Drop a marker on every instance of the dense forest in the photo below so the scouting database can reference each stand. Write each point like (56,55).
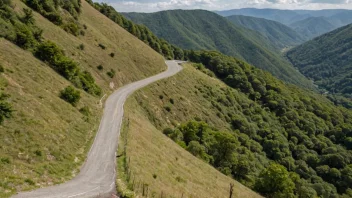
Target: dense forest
(279,34)
(327,60)
(299,137)
(204,30)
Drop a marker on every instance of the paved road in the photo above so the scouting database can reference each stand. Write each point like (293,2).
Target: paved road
(97,176)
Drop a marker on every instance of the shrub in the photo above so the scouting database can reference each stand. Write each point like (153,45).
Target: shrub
(111,73)
(87,83)
(71,28)
(2,69)
(48,52)
(5,107)
(24,37)
(38,153)
(70,95)
(112,55)
(161,97)
(102,46)
(83,33)
(85,26)
(29,181)
(100,67)
(85,111)
(54,17)
(172,101)
(155,176)
(81,46)
(167,108)
(5,160)
(28,16)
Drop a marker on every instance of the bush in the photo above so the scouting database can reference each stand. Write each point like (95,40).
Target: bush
(172,101)
(161,97)
(111,73)
(100,67)
(102,46)
(5,160)
(71,28)
(5,107)
(70,95)
(167,108)
(85,111)
(54,17)
(29,181)
(81,46)
(112,55)
(2,69)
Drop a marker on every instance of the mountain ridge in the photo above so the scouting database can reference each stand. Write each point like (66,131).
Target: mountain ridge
(205,30)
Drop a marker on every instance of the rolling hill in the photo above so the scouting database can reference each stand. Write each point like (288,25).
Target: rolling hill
(199,29)
(280,35)
(327,60)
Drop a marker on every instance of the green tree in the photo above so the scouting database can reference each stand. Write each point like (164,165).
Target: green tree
(70,95)
(5,107)
(275,181)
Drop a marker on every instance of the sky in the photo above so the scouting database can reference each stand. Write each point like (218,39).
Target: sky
(157,5)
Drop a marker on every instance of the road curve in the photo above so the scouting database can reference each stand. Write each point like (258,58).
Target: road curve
(97,176)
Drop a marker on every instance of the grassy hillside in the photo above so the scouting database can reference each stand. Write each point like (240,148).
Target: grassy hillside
(284,124)
(156,161)
(280,35)
(327,60)
(46,140)
(313,26)
(198,29)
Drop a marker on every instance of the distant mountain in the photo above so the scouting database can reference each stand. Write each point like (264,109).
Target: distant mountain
(310,23)
(282,16)
(327,60)
(204,30)
(280,35)
(313,26)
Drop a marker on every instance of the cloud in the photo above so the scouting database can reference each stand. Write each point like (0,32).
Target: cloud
(157,5)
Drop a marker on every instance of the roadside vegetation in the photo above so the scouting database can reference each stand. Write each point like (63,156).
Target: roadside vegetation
(44,140)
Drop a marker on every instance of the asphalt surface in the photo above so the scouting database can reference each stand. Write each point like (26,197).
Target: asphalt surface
(97,176)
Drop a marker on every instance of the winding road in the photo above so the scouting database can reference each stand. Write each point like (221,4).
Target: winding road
(97,176)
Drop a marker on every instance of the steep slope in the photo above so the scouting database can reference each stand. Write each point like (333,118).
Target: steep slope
(198,29)
(313,26)
(327,60)
(280,35)
(46,139)
(256,119)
